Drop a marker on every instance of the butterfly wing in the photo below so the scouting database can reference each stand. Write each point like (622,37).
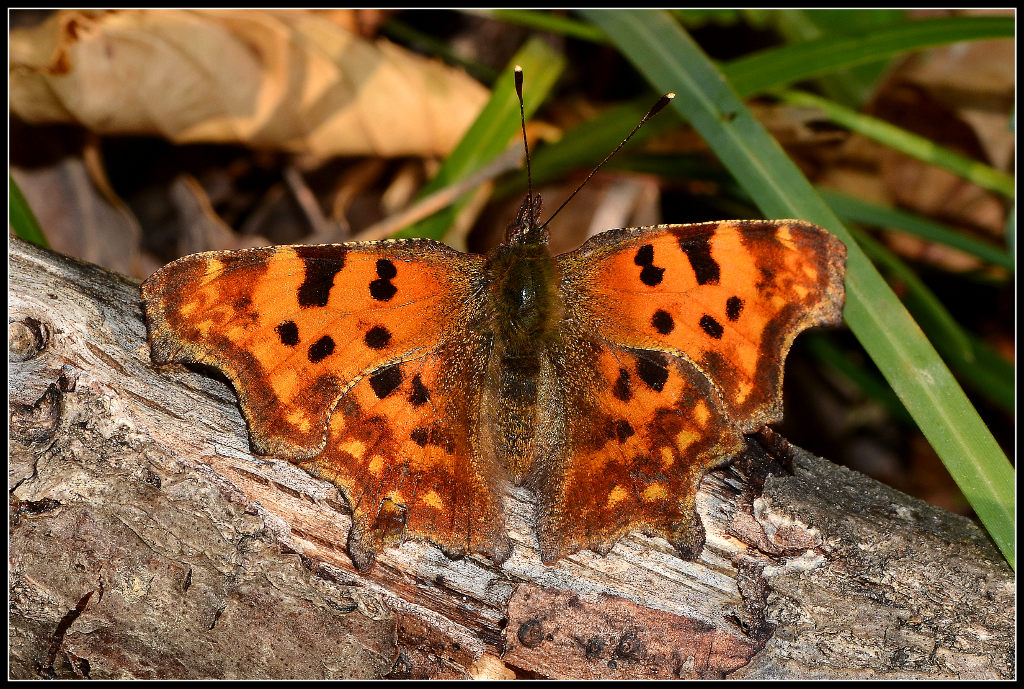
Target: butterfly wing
(360,362)
(674,343)
(728,296)
(636,432)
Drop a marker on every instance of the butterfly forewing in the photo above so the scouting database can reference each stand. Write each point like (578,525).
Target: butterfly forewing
(728,296)
(293,327)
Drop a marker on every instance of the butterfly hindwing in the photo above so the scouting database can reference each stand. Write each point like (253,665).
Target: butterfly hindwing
(401,445)
(638,431)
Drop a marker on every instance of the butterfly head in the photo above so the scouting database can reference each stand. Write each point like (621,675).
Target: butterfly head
(526,228)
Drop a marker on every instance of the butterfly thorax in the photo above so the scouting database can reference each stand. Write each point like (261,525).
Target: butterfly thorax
(525,309)
(523,296)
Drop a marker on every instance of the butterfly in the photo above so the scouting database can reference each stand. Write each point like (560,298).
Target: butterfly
(421,381)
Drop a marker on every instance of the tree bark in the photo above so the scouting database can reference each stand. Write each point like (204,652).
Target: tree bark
(147,541)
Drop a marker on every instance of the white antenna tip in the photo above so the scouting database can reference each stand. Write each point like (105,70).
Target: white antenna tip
(670,96)
(518,68)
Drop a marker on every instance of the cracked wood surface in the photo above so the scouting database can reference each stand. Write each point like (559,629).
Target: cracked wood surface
(147,541)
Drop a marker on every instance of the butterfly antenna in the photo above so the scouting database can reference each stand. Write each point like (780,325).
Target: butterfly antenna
(662,102)
(526,144)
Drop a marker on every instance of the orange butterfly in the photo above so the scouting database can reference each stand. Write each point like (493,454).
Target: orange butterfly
(421,380)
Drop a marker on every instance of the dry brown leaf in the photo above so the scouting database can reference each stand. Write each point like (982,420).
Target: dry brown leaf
(960,97)
(365,22)
(202,228)
(978,82)
(79,220)
(287,80)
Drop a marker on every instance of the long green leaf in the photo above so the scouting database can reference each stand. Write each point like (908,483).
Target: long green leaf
(546,21)
(851,85)
(907,142)
(775,67)
(857,210)
(666,55)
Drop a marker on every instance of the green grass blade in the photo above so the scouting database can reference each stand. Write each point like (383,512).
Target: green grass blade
(23,220)
(547,21)
(977,365)
(666,55)
(775,67)
(906,142)
(850,85)
(494,129)
(856,210)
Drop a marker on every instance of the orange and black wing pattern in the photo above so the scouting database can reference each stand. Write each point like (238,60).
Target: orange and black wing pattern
(360,362)
(673,346)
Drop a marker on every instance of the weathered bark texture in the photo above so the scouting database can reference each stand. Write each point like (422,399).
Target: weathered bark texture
(146,541)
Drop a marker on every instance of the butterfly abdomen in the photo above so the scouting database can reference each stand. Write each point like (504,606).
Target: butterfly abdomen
(525,307)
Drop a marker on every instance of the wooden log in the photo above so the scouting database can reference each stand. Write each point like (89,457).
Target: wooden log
(147,541)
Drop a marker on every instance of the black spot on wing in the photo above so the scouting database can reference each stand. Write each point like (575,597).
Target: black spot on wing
(623,430)
(712,327)
(386,269)
(420,436)
(377,337)
(321,349)
(652,370)
(386,380)
(663,322)
(733,308)
(321,264)
(382,288)
(289,333)
(432,435)
(698,250)
(622,388)
(644,255)
(650,274)
(419,394)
